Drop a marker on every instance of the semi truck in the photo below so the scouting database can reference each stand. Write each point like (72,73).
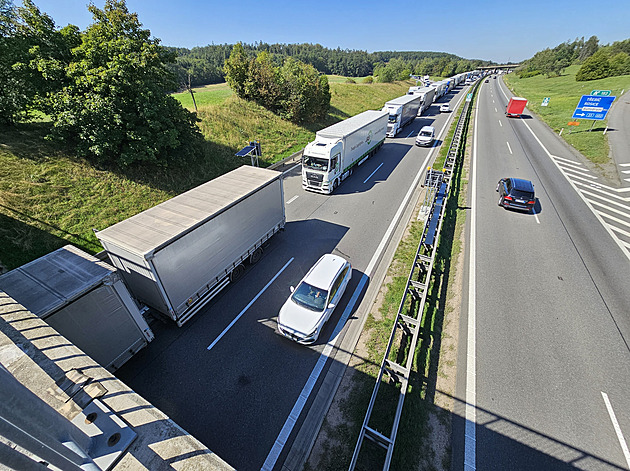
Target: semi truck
(402,110)
(337,149)
(85,300)
(427,96)
(440,89)
(176,256)
(515,106)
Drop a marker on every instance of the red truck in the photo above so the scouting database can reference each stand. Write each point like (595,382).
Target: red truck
(515,106)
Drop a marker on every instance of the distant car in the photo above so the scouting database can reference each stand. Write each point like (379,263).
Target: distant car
(444,108)
(516,193)
(310,305)
(487,80)
(425,136)
(494,77)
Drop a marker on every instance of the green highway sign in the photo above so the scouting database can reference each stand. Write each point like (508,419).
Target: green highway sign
(601,92)
(469,97)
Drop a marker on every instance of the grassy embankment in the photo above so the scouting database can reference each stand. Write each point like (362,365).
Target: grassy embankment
(432,379)
(49,198)
(564,93)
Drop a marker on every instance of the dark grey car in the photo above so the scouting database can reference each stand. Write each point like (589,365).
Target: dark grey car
(516,193)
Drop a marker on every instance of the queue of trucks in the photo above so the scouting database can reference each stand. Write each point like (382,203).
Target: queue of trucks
(175,257)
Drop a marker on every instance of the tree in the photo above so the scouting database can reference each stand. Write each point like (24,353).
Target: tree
(236,70)
(589,48)
(595,67)
(116,106)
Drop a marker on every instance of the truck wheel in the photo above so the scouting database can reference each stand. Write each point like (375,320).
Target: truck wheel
(500,203)
(237,273)
(256,255)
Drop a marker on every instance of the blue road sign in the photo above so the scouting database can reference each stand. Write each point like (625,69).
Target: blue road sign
(593,107)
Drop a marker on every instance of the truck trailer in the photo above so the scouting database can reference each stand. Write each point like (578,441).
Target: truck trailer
(337,149)
(515,106)
(402,110)
(176,256)
(83,299)
(427,95)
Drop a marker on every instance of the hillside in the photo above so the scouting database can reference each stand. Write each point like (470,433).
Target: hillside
(49,198)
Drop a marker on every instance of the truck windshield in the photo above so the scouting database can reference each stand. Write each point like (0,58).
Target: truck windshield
(315,163)
(392,118)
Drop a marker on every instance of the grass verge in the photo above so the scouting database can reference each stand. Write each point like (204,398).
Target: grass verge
(564,93)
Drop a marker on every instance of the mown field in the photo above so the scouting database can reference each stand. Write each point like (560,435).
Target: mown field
(49,198)
(564,93)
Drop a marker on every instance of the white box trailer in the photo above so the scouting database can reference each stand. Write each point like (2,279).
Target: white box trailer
(83,299)
(426,94)
(337,149)
(176,256)
(402,110)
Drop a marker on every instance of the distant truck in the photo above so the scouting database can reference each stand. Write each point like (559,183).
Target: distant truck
(337,149)
(83,299)
(427,94)
(176,256)
(402,110)
(515,106)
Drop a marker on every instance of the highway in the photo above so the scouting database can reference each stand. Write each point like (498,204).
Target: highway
(544,364)
(227,377)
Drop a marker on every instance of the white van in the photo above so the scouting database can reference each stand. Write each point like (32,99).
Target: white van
(425,136)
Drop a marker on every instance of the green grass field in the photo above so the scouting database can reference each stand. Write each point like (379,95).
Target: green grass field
(209,95)
(49,198)
(564,93)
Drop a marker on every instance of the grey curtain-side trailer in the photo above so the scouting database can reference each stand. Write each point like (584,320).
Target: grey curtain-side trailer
(83,299)
(176,256)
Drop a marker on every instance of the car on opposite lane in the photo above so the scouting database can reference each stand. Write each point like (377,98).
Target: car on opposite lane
(516,193)
(310,305)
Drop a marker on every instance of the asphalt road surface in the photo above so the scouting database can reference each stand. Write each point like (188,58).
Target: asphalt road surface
(227,377)
(548,319)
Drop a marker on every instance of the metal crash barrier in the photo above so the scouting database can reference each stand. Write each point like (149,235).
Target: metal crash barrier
(406,329)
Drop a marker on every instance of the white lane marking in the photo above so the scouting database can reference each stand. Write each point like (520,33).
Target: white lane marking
(278,445)
(410,134)
(470,432)
(287,428)
(249,305)
(605,198)
(566,160)
(619,230)
(624,165)
(365,181)
(606,227)
(509,148)
(535,215)
(625,171)
(601,190)
(613,419)
(625,213)
(613,218)
(579,171)
(495,110)
(626,179)
(574,167)
(500,123)
(626,244)
(292,199)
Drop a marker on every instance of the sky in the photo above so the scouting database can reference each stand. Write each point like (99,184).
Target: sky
(500,31)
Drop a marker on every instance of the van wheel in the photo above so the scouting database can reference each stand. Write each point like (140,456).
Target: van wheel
(237,273)
(256,255)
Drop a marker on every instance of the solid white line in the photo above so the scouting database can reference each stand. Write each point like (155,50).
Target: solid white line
(566,160)
(249,305)
(625,213)
(601,190)
(606,227)
(500,123)
(365,181)
(620,231)
(292,199)
(509,148)
(287,428)
(605,198)
(624,165)
(470,433)
(626,179)
(613,419)
(625,171)
(580,172)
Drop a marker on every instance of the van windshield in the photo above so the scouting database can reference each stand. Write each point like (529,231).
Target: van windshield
(392,118)
(315,163)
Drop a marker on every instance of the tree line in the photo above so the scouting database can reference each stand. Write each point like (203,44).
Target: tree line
(204,65)
(596,61)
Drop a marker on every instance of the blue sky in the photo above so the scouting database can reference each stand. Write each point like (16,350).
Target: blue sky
(506,30)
